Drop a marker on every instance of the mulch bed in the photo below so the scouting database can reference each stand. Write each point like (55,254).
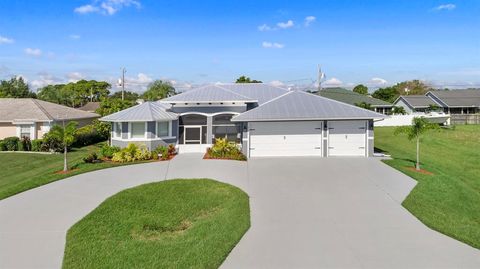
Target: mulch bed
(421,171)
(208,157)
(66,172)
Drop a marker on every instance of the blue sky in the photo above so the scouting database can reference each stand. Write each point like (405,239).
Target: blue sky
(193,42)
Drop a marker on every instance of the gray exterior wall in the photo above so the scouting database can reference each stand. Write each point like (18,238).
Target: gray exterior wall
(407,108)
(370,139)
(245,139)
(151,129)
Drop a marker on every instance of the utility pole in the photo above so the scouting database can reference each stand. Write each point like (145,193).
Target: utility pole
(321,76)
(123,82)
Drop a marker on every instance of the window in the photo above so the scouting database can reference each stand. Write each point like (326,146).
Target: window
(118,129)
(223,127)
(163,129)
(25,130)
(138,130)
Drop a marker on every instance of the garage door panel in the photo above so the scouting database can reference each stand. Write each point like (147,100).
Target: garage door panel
(285,139)
(347,138)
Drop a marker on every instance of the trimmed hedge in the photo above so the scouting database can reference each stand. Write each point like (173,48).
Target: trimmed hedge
(11,143)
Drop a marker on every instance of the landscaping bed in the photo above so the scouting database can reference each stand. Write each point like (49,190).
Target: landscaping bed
(447,196)
(171,224)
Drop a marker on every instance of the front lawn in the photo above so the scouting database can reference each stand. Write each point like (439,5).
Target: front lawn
(172,224)
(449,200)
(24,171)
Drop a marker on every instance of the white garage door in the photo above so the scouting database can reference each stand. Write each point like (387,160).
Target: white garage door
(301,138)
(347,138)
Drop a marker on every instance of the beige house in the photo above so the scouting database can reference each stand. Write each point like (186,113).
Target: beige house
(33,118)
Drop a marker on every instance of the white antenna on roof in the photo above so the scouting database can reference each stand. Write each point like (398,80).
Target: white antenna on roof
(321,77)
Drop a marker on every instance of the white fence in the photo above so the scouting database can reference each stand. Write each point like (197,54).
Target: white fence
(396,120)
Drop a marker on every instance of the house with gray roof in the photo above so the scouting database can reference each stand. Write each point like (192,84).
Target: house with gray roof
(28,117)
(264,120)
(415,103)
(353,98)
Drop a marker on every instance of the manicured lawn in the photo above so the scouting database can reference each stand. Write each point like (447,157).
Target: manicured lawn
(449,200)
(24,171)
(172,224)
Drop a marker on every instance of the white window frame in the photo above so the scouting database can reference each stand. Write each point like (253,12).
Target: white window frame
(115,124)
(157,134)
(137,138)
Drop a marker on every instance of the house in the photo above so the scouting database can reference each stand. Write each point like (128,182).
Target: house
(90,107)
(353,98)
(263,119)
(27,117)
(457,101)
(415,103)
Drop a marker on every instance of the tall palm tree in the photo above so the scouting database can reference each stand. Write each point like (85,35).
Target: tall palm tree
(65,134)
(420,125)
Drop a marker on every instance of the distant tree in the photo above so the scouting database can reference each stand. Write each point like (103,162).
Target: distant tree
(399,110)
(131,96)
(415,131)
(111,105)
(16,87)
(245,79)
(158,90)
(388,94)
(51,93)
(75,94)
(364,105)
(65,134)
(361,89)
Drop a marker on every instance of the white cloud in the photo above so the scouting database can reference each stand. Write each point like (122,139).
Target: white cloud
(446,7)
(74,76)
(285,25)
(33,52)
(6,40)
(264,27)
(276,83)
(332,82)
(377,82)
(106,7)
(309,20)
(273,45)
(137,83)
(74,36)
(45,79)
(85,9)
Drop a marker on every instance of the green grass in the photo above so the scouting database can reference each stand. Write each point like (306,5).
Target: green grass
(24,171)
(172,224)
(449,200)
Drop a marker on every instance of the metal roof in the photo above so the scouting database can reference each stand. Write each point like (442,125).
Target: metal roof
(417,101)
(148,111)
(458,98)
(259,91)
(208,94)
(299,105)
(350,97)
(18,109)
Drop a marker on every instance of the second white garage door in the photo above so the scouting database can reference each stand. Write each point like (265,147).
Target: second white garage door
(347,138)
(300,138)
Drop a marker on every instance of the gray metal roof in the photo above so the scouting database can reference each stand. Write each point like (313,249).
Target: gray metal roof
(148,111)
(18,109)
(417,101)
(208,94)
(458,98)
(300,105)
(259,91)
(350,97)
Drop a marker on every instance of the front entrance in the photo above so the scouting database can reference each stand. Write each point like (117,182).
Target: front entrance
(192,135)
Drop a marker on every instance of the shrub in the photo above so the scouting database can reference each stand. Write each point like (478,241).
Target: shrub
(2,146)
(11,143)
(24,144)
(132,153)
(91,158)
(165,152)
(51,143)
(88,135)
(224,149)
(107,151)
(37,144)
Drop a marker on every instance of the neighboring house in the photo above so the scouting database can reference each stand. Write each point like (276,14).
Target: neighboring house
(27,117)
(264,120)
(451,102)
(353,98)
(415,103)
(90,107)
(457,101)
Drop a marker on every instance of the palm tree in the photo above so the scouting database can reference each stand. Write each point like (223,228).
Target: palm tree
(65,134)
(419,126)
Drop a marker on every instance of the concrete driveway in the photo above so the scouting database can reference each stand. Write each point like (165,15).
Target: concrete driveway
(306,213)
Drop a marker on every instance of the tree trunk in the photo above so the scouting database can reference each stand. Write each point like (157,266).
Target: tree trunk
(417,166)
(65,168)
